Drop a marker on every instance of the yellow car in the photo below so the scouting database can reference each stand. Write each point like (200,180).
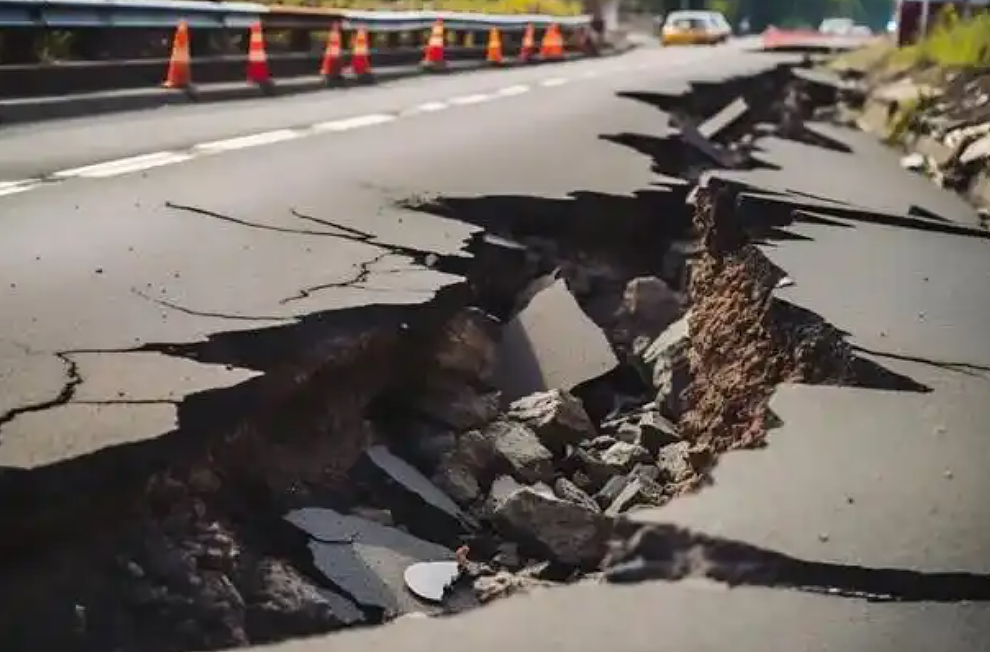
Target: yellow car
(694,28)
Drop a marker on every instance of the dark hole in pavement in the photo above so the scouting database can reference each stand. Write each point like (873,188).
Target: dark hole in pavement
(669,552)
(579,372)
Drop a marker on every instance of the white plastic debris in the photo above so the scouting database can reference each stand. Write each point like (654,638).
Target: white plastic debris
(429,580)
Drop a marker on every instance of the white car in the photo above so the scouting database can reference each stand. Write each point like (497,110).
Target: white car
(837,26)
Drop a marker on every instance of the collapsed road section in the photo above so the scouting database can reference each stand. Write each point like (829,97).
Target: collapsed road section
(590,360)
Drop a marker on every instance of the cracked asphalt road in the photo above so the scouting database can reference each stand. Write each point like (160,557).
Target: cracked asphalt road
(100,266)
(259,230)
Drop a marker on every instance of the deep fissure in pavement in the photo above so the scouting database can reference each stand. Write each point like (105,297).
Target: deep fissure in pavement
(599,355)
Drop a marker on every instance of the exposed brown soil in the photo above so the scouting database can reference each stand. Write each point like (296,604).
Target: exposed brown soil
(744,342)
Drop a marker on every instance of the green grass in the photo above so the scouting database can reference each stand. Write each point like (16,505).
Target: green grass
(952,43)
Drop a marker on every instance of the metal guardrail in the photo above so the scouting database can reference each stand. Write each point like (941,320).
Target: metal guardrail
(122,14)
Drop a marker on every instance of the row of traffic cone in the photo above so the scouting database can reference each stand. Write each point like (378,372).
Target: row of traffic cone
(332,67)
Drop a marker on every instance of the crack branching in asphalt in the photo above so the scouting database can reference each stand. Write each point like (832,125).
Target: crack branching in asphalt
(670,552)
(206,313)
(72,382)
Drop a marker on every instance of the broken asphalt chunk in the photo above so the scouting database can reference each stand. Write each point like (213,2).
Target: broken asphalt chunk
(416,501)
(366,560)
(551,344)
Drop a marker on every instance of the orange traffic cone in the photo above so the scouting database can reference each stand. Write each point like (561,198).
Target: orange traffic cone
(257,64)
(179,73)
(494,51)
(433,54)
(333,61)
(551,46)
(360,57)
(528,44)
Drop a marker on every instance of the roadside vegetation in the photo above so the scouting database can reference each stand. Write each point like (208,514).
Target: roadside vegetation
(952,43)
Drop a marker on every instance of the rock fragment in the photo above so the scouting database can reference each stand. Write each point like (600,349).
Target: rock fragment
(666,358)
(567,490)
(563,531)
(623,456)
(468,345)
(557,417)
(519,446)
(674,461)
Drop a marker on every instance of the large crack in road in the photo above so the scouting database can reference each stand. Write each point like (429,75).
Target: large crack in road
(597,355)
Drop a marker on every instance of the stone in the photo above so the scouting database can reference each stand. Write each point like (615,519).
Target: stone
(608,493)
(667,358)
(565,532)
(521,449)
(623,456)
(460,408)
(648,306)
(567,490)
(457,481)
(476,451)
(468,346)
(557,417)
(638,491)
(647,428)
(600,443)
(674,461)
(591,466)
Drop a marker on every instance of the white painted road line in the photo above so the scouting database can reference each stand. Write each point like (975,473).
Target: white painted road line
(355,122)
(470,99)
(426,107)
(510,91)
(124,165)
(14,187)
(553,81)
(243,142)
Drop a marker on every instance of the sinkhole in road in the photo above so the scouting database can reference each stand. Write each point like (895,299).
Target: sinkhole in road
(599,355)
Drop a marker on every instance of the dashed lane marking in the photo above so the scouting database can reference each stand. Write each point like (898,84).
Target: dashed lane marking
(512,91)
(14,187)
(355,123)
(243,142)
(133,164)
(125,165)
(426,107)
(477,98)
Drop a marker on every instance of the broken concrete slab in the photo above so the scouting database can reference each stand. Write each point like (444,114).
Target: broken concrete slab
(365,560)
(551,344)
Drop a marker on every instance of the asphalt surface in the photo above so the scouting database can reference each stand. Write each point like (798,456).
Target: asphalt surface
(97,264)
